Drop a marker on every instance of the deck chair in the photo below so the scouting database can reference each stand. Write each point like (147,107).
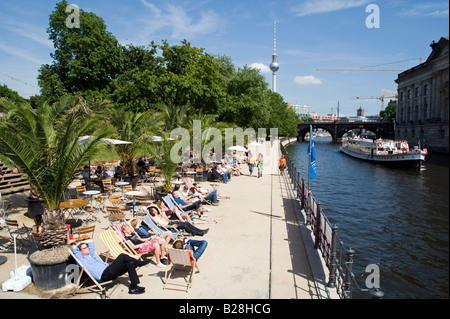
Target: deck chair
(180,257)
(114,247)
(80,282)
(147,219)
(188,181)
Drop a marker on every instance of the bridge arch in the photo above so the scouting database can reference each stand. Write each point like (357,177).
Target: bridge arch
(338,128)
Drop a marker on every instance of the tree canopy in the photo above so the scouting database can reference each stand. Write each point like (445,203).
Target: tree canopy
(173,79)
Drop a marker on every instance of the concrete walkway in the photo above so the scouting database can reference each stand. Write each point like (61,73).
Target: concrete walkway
(256,249)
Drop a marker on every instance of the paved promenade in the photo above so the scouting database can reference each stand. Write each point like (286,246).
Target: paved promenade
(257,248)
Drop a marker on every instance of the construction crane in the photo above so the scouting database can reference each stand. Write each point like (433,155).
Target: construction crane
(396,94)
(370,68)
(379,98)
(363,69)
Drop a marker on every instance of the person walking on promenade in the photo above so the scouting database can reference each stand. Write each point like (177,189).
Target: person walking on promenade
(251,163)
(260,165)
(282,162)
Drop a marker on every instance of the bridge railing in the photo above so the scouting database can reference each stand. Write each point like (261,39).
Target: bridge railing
(338,259)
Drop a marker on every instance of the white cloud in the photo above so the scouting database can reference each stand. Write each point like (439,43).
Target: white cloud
(432,9)
(321,6)
(20,54)
(260,66)
(307,80)
(180,22)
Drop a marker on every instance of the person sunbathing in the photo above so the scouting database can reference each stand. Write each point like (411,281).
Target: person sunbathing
(197,246)
(154,244)
(163,221)
(101,271)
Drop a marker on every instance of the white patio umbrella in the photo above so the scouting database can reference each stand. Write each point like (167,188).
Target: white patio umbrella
(106,141)
(238,148)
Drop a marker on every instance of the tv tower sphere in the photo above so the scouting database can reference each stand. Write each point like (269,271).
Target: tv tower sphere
(274,66)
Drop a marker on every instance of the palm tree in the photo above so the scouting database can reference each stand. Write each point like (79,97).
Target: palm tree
(42,143)
(135,127)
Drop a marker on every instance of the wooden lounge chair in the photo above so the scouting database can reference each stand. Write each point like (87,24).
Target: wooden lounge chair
(114,247)
(80,283)
(184,258)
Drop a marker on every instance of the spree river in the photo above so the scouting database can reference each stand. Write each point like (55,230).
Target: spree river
(397,219)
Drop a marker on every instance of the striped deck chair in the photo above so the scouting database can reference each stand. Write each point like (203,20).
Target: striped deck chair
(188,181)
(80,282)
(147,219)
(170,202)
(114,247)
(180,257)
(118,230)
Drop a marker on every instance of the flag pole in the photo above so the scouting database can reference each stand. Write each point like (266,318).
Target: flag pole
(308,211)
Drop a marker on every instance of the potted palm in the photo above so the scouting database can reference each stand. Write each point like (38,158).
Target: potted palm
(42,143)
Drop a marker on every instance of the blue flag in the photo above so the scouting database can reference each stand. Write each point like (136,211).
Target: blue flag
(312,172)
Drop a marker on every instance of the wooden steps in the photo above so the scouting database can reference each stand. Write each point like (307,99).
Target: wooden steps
(12,183)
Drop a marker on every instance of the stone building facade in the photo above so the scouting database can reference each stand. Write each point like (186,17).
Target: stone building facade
(423,101)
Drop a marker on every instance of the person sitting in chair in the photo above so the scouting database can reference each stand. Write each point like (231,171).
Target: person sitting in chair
(197,246)
(102,271)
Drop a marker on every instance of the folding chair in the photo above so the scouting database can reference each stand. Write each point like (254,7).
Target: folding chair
(184,258)
(22,233)
(199,174)
(108,186)
(80,195)
(83,233)
(113,246)
(147,219)
(115,213)
(79,283)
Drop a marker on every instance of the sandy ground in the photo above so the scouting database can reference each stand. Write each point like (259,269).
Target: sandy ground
(256,249)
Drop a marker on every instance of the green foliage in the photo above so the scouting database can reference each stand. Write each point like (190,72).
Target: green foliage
(388,114)
(176,81)
(42,143)
(85,58)
(11,95)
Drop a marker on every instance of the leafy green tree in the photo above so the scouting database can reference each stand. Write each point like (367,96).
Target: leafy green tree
(190,77)
(388,114)
(11,95)
(85,59)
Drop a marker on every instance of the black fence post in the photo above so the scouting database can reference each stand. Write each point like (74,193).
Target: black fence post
(333,263)
(348,274)
(317,227)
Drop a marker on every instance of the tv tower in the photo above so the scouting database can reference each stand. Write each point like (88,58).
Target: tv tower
(274,66)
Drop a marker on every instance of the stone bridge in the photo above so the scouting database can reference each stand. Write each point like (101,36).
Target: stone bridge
(338,128)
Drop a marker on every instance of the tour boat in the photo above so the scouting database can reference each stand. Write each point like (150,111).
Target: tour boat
(385,152)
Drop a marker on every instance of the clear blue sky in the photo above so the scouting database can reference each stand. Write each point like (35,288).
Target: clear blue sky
(311,34)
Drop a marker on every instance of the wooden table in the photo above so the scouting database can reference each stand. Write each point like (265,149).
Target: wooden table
(74,205)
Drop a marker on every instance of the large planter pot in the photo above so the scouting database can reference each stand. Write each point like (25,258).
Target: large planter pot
(49,276)
(132,180)
(35,207)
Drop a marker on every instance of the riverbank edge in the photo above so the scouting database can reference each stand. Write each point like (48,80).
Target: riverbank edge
(316,261)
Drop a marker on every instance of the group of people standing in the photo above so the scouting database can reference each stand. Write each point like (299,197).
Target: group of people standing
(252,161)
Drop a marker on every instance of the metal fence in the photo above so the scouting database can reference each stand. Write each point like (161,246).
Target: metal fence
(338,258)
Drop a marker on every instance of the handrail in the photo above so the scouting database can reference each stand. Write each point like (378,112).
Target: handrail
(338,259)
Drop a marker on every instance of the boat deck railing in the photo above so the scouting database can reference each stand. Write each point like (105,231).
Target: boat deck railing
(338,258)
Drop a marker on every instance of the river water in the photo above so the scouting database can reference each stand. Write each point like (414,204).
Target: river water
(397,219)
